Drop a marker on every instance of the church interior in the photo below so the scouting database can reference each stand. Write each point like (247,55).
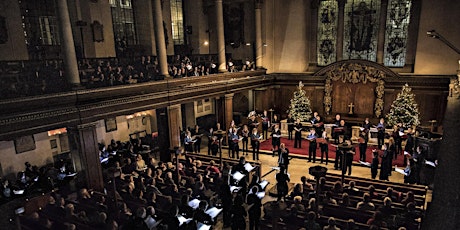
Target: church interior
(124,114)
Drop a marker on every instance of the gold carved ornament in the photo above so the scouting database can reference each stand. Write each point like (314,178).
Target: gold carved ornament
(355,73)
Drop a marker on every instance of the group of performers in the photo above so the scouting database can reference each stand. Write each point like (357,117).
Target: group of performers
(317,137)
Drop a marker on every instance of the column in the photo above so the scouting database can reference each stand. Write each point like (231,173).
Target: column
(220,36)
(340,24)
(175,125)
(228,109)
(163,134)
(382,29)
(259,44)
(67,44)
(444,208)
(84,143)
(160,39)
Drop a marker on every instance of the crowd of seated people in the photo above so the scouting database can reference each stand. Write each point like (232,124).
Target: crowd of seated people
(150,194)
(348,207)
(34,180)
(36,78)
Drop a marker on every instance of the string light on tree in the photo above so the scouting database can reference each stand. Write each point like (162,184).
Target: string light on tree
(300,107)
(404,109)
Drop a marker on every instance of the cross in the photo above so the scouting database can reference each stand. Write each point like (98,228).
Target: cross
(351,106)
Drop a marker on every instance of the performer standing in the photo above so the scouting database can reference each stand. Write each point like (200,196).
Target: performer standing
(384,170)
(375,163)
(319,125)
(210,136)
(255,143)
(276,135)
(348,154)
(282,180)
(312,148)
(336,131)
(410,143)
(290,123)
(324,146)
(197,136)
(252,121)
(265,124)
(381,133)
(234,143)
(245,133)
(188,141)
(298,134)
(283,156)
(364,139)
(398,133)
(275,121)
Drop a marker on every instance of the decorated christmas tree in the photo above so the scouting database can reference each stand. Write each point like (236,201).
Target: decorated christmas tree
(404,109)
(300,107)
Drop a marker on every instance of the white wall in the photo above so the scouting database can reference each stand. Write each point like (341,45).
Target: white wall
(40,156)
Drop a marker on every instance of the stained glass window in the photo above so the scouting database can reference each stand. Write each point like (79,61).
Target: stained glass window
(361,29)
(327,32)
(398,18)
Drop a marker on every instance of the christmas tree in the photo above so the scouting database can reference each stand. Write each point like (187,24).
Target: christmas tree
(404,109)
(300,107)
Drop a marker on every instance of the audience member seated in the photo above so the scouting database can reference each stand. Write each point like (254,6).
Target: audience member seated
(351,225)
(351,189)
(312,205)
(409,198)
(377,220)
(345,201)
(298,204)
(337,188)
(331,224)
(386,209)
(328,199)
(307,187)
(310,222)
(366,204)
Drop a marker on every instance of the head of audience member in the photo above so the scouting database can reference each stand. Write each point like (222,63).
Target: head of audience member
(387,202)
(337,187)
(331,222)
(366,198)
(342,122)
(312,203)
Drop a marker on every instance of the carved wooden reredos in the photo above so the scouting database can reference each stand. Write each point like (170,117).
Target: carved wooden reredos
(355,71)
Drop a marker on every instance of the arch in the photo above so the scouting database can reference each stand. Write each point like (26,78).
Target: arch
(356,71)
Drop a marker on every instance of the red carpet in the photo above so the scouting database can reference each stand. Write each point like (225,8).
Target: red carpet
(267,146)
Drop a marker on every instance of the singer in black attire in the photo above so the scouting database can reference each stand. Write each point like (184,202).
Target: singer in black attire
(298,134)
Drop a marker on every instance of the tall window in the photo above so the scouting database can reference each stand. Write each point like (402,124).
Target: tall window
(396,33)
(327,32)
(361,29)
(39,23)
(177,21)
(124,29)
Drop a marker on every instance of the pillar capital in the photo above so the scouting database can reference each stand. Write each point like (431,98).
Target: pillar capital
(229,95)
